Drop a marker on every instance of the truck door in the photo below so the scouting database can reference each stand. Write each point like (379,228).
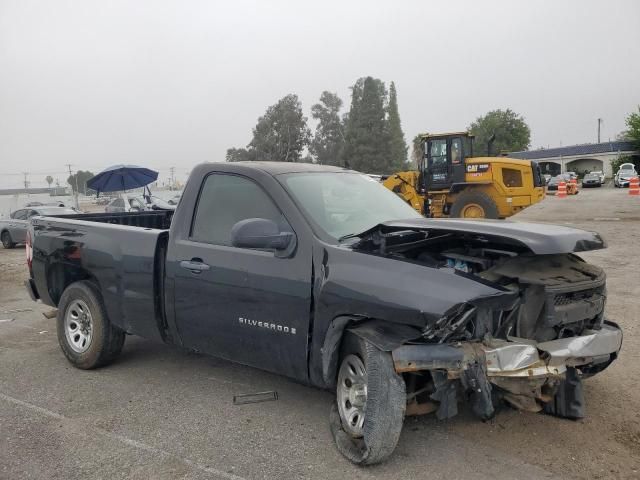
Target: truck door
(445,163)
(249,306)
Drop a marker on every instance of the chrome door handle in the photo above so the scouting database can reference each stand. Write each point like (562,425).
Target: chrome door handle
(194,266)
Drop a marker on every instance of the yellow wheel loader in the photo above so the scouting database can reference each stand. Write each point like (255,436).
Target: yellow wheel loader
(451,182)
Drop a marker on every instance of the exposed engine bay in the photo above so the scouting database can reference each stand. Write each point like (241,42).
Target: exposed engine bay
(555,296)
(530,346)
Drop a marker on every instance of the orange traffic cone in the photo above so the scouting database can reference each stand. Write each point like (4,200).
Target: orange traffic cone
(575,182)
(634,186)
(562,190)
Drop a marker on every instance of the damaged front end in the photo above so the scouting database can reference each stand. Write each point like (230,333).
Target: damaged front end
(526,374)
(530,346)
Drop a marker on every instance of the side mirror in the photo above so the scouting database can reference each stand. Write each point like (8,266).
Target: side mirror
(259,233)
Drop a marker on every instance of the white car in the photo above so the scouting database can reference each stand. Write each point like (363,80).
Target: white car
(625,173)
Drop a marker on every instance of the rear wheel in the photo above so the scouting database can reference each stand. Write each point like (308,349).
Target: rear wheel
(7,242)
(474,205)
(366,419)
(85,334)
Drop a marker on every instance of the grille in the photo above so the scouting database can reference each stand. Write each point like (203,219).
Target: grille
(571,297)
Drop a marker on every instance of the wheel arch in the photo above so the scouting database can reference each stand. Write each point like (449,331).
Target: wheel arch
(60,276)
(384,335)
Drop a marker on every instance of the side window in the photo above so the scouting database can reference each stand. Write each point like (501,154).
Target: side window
(118,202)
(31,213)
(224,201)
(456,151)
(511,177)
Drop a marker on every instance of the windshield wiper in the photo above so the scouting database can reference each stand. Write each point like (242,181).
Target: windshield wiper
(348,236)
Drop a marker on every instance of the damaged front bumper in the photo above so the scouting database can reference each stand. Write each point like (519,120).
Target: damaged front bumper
(527,374)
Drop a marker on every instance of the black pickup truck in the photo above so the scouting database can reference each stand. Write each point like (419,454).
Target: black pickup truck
(323,275)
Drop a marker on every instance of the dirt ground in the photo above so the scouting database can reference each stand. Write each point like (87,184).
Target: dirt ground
(162,413)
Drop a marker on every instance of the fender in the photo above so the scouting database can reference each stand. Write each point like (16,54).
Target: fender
(384,335)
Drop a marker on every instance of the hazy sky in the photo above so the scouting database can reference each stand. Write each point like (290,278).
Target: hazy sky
(175,83)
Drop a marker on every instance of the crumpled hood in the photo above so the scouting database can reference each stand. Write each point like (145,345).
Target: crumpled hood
(539,238)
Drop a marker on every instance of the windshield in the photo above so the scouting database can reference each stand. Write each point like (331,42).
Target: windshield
(345,203)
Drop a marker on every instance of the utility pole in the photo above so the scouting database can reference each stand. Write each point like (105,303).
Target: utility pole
(173,182)
(599,123)
(76,182)
(26,182)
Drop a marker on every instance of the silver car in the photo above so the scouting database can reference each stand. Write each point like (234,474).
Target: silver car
(14,229)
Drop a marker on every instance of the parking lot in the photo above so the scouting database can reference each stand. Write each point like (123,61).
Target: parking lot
(159,412)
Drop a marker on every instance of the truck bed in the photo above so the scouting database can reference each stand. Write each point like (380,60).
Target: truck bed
(157,219)
(122,253)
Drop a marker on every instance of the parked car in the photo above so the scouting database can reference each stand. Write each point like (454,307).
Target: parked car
(554,181)
(591,180)
(137,203)
(325,276)
(601,175)
(14,229)
(547,177)
(624,175)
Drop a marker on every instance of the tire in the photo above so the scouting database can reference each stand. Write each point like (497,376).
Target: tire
(479,201)
(94,342)
(6,240)
(384,405)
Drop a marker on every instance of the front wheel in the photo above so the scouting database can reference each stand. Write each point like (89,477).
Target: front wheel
(6,240)
(366,419)
(85,334)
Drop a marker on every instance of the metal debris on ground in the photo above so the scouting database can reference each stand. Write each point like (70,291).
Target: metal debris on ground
(50,313)
(258,397)
(3,320)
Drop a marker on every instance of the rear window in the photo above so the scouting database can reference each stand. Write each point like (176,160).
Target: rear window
(512,177)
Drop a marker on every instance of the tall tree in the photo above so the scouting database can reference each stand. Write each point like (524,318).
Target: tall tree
(397,147)
(417,151)
(633,128)
(328,141)
(79,180)
(512,133)
(281,134)
(367,145)
(49,180)
(239,155)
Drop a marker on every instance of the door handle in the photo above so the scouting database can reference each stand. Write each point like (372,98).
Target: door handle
(195,265)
